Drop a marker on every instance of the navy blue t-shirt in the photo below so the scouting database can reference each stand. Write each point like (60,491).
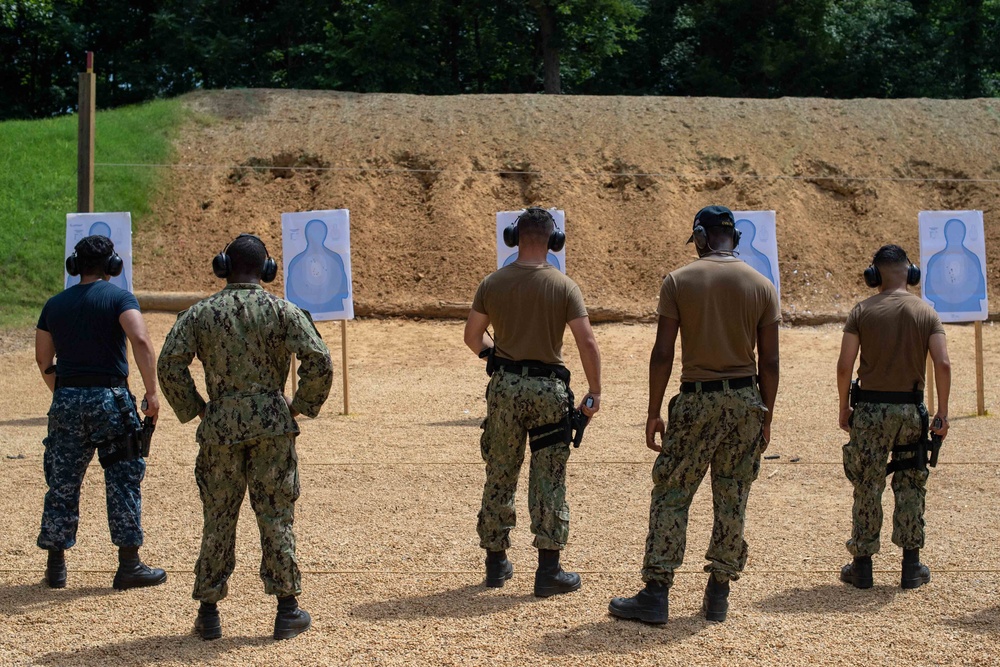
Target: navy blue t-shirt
(83,322)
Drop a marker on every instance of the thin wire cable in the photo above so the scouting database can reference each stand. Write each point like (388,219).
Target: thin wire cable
(506,172)
(410,573)
(411,464)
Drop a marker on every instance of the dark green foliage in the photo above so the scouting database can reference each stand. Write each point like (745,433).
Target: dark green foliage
(746,48)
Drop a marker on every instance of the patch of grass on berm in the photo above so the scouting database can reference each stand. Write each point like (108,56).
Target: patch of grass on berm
(38,189)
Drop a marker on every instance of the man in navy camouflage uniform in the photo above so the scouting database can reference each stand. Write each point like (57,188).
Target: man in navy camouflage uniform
(80,350)
(245,337)
(530,304)
(720,420)
(885,415)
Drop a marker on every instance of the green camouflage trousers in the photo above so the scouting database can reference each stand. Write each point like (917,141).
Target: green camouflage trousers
(721,430)
(515,403)
(269,467)
(875,429)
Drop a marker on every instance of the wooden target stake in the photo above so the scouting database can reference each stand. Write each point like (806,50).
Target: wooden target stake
(85,138)
(343,355)
(980,395)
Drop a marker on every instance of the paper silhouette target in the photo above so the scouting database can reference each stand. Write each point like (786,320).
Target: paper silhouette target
(953,263)
(759,243)
(116,226)
(507,255)
(316,248)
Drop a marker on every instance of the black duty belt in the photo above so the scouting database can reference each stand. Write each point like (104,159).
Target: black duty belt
(718,385)
(535,369)
(859,395)
(106,381)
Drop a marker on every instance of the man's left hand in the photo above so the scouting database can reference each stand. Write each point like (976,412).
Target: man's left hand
(288,402)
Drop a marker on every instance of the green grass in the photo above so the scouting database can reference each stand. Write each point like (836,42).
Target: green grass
(38,189)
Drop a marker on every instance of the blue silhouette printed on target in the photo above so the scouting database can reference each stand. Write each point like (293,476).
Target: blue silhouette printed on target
(954,282)
(317,266)
(115,226)
(758,245)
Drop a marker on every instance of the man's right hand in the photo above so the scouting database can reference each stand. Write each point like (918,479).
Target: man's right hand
(845,418)
(943,430)
(152,406)
(655,425)
(590,411)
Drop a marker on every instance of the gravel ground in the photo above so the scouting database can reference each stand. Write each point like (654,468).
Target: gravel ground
(392,572)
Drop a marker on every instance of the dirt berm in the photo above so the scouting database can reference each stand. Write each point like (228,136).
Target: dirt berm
(423,177)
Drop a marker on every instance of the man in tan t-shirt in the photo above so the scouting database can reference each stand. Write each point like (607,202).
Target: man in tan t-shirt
(529,304)
(894,330)
(721,418)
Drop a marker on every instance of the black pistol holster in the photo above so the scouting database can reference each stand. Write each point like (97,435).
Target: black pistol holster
(134,443)
(925,449)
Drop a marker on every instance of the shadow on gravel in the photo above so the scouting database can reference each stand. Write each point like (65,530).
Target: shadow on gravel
(465,602)
(828,599)
(31,421)
(984,622)
(468,421)
(25,597)
(152,650)
(620,636)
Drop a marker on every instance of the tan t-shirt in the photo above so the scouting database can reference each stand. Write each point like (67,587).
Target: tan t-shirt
(720,303)
(895,330)
(529,307)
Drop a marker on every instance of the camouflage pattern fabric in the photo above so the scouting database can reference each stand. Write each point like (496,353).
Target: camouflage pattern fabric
(82,419)
(514,404)
(269,467)
(245,337)
(721,430)
(875,429)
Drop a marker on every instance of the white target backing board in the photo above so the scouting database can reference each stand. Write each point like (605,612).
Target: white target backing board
(953,264)
(316,254)
(116,226)
(507,255)
(759,243)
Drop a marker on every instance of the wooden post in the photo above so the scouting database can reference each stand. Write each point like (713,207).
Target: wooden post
(980,397)
(929,385)
(343,355)
(85,139)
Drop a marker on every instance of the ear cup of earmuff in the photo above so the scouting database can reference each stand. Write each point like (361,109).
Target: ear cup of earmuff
(270,270)
(737,235)
(700,237)
(557,240)
(872,276)
(221,265)
(913,275)
(114,265)
(510,235)
(72,267)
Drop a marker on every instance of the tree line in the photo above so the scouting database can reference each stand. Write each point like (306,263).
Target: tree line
(729,48)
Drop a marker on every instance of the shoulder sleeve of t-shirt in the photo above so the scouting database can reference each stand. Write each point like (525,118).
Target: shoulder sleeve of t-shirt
(126,302)
(771,312)
(851,326)
(934,323)
(575,308)
(479,303)
(43,324)
(667,307)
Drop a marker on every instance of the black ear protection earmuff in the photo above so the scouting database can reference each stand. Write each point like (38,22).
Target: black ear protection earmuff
(873,277)
(222,266)
(557,239)
(700,237)
(113,266)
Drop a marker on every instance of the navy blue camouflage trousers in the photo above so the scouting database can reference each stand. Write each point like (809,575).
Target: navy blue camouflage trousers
(82,420)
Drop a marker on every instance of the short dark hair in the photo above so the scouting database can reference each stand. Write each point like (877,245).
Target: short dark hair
(246,255)
(890,255)
(536,222)
(92,253)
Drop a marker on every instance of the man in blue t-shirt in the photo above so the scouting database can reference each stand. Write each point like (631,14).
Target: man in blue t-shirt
(80,350)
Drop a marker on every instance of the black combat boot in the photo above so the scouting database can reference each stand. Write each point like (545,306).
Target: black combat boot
(858,572)
(550,579)
(208,625)
(55,569)
(650,605)
(498,569)
(133,573)
(915,573)
(291,620)
(715,604)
